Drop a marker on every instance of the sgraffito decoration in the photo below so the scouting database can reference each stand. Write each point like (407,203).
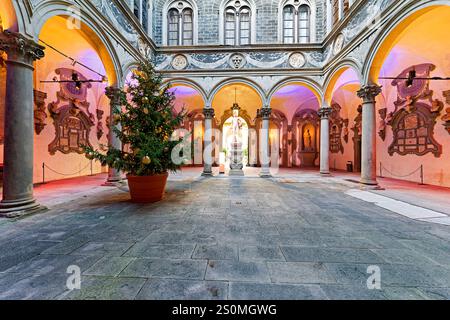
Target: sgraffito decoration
(415,115)
(383,123)
(337,125)
(71,116)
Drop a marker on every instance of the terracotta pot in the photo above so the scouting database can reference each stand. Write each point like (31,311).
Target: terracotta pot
(147,189)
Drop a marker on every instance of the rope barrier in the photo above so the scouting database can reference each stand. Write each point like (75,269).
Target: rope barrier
(44,166)
(420,169)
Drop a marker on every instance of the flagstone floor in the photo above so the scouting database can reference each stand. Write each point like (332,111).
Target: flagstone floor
(225,238)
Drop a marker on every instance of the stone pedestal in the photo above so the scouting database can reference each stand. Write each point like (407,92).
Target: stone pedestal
(307,159)
(114,94)
(236,159)
(324,114)
(369,134)
(19,125)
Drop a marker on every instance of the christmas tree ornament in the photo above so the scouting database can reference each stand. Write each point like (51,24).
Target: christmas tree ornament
(146,160)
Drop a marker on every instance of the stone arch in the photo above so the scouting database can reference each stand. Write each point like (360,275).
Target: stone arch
(238,81)
(386,39)
(335,74)
(10,16)
(173,82)
(90,26)
(305,82)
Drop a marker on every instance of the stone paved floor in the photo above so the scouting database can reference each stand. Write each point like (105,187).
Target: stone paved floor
(225,238)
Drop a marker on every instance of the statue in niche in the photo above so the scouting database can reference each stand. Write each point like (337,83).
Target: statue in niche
(307,140)
(305,125)
(415,115)
(71,115)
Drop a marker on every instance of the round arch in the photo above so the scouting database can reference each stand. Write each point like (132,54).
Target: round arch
(91,28)
(333,78)
(305,82)
(174,82)
(238,81)
(390,34)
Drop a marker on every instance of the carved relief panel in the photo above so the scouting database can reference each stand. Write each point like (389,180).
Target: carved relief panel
(415,115)
(70,113)
(337,132)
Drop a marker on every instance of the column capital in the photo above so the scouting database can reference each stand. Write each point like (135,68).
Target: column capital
(324,113)
(114,94)
(20,49)
(208,113)
(369,92)
(265,113)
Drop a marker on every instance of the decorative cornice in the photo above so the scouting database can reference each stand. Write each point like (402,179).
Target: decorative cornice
(369,92)
(19,48)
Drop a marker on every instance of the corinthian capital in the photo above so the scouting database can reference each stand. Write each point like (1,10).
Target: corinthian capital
(265,113)
(369,92)
(115,95)
(324,113)
(20,48)
(208,113)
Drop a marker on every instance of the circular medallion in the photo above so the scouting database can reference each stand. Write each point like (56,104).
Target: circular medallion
(338,44)
(179,62)
(297,60)
(237,61)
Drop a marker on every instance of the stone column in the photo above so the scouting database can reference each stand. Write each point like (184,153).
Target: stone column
(208,159)
(114,95)
(19,124)
(324,114)
(264,143)
(369,147)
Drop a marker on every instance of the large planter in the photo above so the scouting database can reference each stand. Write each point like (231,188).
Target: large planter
(147,189)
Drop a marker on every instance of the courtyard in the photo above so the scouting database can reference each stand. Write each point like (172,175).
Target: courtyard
(294,236)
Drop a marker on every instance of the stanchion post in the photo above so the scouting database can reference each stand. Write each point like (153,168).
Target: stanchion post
(421,175)
(43,172)
(381,170)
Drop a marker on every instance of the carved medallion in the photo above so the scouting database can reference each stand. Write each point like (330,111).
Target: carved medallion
(237,61)
(179,62)
(338,44)
(297,60)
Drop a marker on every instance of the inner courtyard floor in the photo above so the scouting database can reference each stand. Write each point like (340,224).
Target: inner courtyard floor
(294,236)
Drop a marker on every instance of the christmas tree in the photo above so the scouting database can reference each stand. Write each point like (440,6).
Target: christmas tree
(144,123)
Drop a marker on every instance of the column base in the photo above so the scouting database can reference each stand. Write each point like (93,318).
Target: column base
(369,182)
(207,174)
(265,174)
(325,173)
(16,209)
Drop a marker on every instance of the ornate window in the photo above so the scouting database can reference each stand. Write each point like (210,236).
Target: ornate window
(142,11)
(297,21)
(238,19)
(179,24)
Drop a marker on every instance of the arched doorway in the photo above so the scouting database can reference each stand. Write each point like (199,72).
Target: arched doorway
(228,139)
(249,100)
(295,105)
(412,119)
(70,115)
(345,119)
